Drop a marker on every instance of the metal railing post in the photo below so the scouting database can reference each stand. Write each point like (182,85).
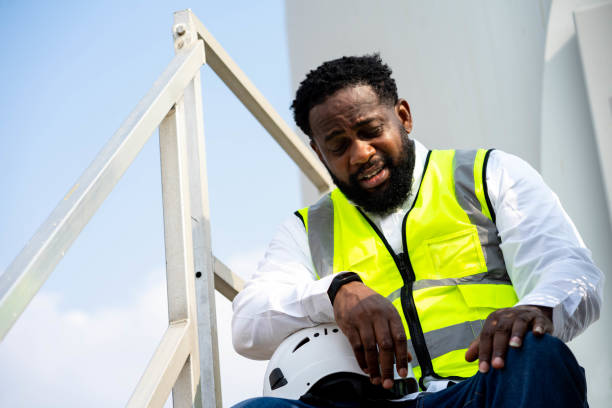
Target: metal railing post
(210,379)
(186,360)
(179,245)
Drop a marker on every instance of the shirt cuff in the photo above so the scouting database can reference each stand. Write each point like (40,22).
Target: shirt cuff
(317,304)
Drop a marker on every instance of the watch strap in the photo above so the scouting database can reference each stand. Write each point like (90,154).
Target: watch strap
(339,280)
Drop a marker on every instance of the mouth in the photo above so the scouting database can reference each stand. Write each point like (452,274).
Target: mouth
(373,177)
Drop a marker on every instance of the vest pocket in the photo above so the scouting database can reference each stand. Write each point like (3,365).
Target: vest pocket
(456,255)
(488,296)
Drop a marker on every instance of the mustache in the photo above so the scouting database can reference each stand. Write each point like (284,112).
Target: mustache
(375,161)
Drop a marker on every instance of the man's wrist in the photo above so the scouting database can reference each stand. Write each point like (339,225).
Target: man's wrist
(547,310)
(340,280)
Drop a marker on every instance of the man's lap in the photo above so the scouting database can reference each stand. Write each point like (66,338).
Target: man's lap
(271,402)
(543,372)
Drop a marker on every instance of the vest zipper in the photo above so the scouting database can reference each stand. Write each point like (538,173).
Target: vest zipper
(408,305)
(410,312)
(406,270)
(402,262)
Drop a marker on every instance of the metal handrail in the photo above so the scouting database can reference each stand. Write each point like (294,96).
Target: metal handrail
(254,101)
(31,268)
(186,360)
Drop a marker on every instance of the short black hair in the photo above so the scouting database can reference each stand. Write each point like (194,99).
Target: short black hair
(331,76)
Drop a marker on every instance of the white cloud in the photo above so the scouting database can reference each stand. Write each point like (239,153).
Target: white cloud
(74,358)
(54,357)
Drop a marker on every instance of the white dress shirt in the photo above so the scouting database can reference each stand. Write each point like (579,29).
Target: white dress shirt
(545,257)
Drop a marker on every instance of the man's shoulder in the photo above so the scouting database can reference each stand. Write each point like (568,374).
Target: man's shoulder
(502,160)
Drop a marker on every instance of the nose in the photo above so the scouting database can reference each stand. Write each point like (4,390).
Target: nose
(361,151)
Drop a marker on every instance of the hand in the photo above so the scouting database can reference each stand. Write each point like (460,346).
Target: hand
(369,320)
(507,327)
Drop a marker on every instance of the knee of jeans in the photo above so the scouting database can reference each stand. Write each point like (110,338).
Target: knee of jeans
(543,341)
(270,402)
(544,346)
(550,353)
(258,402)
(251,402)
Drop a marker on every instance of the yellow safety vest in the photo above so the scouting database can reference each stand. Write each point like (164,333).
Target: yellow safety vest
(451,274)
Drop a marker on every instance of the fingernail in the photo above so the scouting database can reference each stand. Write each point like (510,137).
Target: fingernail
(403,372)
(515,341)
(388,383)
(498,362)
(538,329)
(376,381)
(483,367)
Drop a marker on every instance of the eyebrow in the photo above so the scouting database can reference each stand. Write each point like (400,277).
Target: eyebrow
(359,124)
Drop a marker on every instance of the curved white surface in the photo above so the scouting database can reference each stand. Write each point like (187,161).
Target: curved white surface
(477,73)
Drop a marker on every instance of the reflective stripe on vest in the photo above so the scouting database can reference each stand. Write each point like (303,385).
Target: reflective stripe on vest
(453,256)
(447,339)
(465,191)
(321,235)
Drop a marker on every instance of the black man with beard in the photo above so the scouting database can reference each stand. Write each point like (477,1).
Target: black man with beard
(458,261)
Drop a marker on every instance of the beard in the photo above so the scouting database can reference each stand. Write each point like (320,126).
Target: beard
(390,196)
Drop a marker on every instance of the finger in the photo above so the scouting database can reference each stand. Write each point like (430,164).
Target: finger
(519,328)
(541,325)
(355,340)
(371,352)
(472,352)
(486,344)
(386,351)
(400,343)
(500,345)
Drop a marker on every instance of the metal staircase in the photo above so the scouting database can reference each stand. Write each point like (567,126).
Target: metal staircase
(186,361)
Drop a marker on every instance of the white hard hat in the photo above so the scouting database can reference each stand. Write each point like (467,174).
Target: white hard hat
(312,356)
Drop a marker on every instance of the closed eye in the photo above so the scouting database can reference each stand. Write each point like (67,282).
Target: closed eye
(338,144)
(339,148)
(371,132)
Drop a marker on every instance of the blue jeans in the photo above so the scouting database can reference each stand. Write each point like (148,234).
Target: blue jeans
(542,373)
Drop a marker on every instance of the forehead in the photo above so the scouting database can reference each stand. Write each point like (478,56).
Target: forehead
(345,108)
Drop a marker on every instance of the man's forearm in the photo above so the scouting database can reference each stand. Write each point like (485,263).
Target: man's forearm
(266,312)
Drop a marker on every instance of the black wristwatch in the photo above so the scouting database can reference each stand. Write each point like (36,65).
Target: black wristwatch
(341,279)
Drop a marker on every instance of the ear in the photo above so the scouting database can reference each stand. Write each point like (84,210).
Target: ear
(402,110)
(315,147)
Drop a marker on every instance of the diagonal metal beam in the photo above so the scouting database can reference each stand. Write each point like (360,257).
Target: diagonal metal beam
(254,101)
(227,282)
(162,371)
(31,268)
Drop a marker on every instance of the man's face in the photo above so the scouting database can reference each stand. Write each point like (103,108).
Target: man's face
(365,146)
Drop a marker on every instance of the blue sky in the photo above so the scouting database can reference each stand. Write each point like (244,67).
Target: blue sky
(71,72)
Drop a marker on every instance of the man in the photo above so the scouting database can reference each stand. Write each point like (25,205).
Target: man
(463,261)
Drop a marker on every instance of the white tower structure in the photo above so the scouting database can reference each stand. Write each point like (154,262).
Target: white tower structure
(533,78)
